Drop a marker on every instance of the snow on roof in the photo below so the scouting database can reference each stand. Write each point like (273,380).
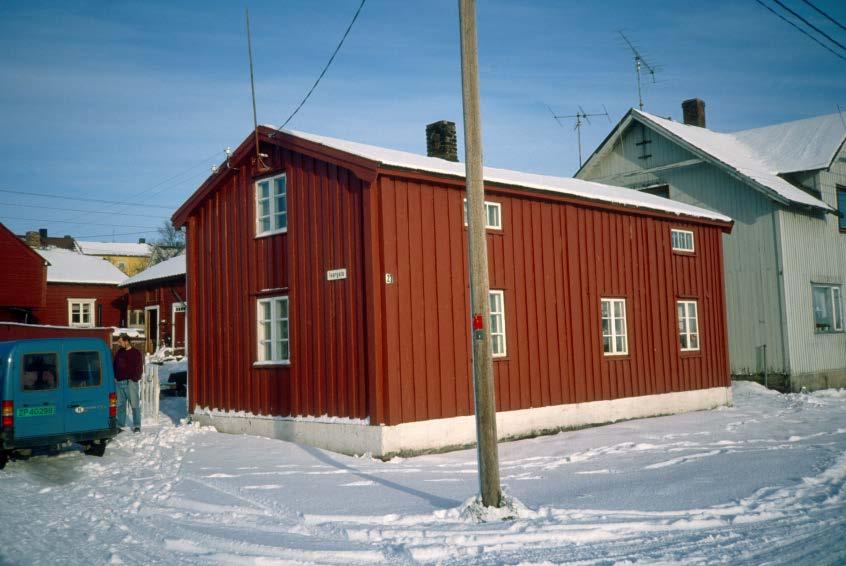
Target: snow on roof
(172,267)
(114,248)
(734,154)
(73,267)
(800,145)
(563,185)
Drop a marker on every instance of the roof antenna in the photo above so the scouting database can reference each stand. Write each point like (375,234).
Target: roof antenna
(580,116)
(259,163)
(840,113)
(639,62)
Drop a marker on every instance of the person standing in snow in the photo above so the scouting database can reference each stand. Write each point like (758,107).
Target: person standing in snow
(129,366)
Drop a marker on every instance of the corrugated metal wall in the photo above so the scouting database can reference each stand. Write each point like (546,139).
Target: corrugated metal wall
(753,288)
(554,261)
(229,269)
(814,252)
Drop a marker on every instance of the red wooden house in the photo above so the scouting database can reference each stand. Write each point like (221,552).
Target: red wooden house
(23,279)
(330,304)
(156,304)
(82,291)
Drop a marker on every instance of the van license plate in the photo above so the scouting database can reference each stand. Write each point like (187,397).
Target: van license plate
(36,411)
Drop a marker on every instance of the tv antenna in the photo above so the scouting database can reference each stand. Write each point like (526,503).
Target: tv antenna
(581,117)
(639,62)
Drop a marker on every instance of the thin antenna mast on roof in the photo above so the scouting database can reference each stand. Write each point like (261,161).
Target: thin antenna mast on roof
(639,62)
(840,113)
(580,116)
(259,163)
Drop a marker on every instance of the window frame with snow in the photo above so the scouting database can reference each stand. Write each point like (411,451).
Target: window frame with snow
(499,346)
(270,333)
(489,206)
(828,314)
(92,312)
(610,333)
(679,239)
(275,215)
(684,319)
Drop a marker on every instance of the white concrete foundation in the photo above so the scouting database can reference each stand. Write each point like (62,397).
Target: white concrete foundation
(358,437)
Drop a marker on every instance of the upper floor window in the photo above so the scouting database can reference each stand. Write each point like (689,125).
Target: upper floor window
(615,341)
(657,190)
(273,335)
(81,312)
(497,299)
(688,325)
(828,308)
(841,207)
(493,215)
(271,206)
(682,240)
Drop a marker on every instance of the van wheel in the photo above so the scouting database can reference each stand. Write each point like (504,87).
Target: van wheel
(4,457)
(95,448)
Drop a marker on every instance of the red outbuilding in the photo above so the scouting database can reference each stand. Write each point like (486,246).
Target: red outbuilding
(156,304)
(82,291)
(330,305)
(23,279)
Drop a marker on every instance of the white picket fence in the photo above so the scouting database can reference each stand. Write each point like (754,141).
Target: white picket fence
(150,392)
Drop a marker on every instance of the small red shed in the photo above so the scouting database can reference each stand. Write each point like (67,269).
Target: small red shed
(330,304)
(82,291)
(156,304)
(23,283)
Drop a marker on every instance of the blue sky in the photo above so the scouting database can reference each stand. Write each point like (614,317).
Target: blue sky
(133,101)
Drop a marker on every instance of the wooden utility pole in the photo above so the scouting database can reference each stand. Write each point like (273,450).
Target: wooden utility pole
(480,307)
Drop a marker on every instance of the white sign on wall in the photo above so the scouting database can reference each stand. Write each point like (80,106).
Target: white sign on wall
(336,274)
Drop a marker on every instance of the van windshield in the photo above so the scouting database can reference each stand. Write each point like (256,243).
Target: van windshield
(84,369)
(40,372)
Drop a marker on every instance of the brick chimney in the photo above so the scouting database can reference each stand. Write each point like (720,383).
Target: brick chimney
(441,141)
(142,240)
(33,239)
(694,112)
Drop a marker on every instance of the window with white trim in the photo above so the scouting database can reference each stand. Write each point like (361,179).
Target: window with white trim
(272,330)
(828,308)
(271,205)
(682,240)
(136,318)
(688,312)
(615,341)
(493,215)
(81,312)
(497,299)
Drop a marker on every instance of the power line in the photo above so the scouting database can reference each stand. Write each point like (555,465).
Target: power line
(33,193)
(801,30)
(76,223)
(326,68)
(159,216)
(825,15)
(112,235)
(812,26)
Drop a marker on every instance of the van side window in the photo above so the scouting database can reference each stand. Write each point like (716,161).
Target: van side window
(84,369)
(40,372)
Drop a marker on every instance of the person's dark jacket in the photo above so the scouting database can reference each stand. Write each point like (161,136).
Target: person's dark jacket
(129,364)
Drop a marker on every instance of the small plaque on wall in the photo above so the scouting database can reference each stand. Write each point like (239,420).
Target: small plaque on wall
(336,274)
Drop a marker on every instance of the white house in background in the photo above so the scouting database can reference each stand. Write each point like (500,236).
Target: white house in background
(130,258)
(785,261)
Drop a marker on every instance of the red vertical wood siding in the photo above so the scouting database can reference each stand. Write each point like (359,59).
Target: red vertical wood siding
(23,283)
(162,294)
(555,261)
(390,342)
(110,305)
(229,269)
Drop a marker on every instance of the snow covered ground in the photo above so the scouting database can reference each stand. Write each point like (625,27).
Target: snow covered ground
(761,482)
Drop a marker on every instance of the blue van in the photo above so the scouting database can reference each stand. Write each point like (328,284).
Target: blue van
(54,392)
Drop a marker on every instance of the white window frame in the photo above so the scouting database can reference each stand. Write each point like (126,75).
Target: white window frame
(835,300)
(274,339)
(273,211)
(500,316)
(675,231)
(136,318)
(92,305)
(612,327)
(686,317)
(488,206)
